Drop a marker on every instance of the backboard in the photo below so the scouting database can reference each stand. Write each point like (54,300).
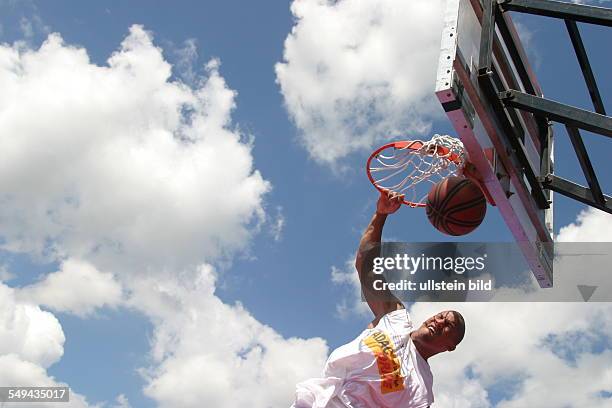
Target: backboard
(482,57)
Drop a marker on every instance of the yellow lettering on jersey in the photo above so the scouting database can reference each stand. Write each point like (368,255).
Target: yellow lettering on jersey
(389,366)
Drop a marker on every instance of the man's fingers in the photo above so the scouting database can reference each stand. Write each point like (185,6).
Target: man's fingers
(384,194)
(392,197)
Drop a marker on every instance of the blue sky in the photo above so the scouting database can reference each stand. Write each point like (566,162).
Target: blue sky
(304,218)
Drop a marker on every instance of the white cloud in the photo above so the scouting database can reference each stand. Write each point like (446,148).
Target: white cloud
(31,25)
(126,172)
(277,225)
(122,402)
(16,372)
(5,274)
(353,303)
(359,72)
(217,355)
(78,288)
(26,27)
(31,340)
(591,225)
(186,56)
(129,165)
(27,331)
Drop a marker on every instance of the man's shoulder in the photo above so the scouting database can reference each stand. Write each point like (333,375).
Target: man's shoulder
(395,323)
(393,311)
(398,317)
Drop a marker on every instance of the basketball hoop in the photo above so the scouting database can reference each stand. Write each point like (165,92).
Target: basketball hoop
(412,167)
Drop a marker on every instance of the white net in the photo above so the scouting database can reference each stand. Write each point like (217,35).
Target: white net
(415,167)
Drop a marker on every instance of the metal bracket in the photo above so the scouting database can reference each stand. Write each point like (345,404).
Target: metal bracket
(559,112)
(567,11)
(576,192)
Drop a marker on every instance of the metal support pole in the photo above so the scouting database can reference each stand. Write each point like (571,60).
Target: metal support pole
(576,192)
(567,11)
(558,112)
(585,66)
(486,36)
(585,164)
(513,139)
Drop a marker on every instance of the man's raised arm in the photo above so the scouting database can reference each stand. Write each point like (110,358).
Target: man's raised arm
(383,301)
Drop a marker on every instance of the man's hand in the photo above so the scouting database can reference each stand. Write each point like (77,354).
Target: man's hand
(389,202)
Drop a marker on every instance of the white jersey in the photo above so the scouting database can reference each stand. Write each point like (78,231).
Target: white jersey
(380,368)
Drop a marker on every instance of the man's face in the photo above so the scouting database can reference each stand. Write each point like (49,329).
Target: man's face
(438,333)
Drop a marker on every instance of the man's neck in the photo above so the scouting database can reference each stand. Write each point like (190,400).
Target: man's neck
(423,351)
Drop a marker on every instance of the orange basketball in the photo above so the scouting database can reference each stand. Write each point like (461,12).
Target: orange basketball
(456,206)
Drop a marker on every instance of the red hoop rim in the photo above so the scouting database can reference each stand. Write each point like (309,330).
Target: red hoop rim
(406,144)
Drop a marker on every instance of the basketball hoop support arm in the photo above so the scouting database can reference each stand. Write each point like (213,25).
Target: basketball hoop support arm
(506,101)
(556,9)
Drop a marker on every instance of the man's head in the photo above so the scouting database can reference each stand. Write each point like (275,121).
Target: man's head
(439,333)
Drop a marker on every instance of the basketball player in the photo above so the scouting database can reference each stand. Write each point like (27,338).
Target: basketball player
(386,365)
